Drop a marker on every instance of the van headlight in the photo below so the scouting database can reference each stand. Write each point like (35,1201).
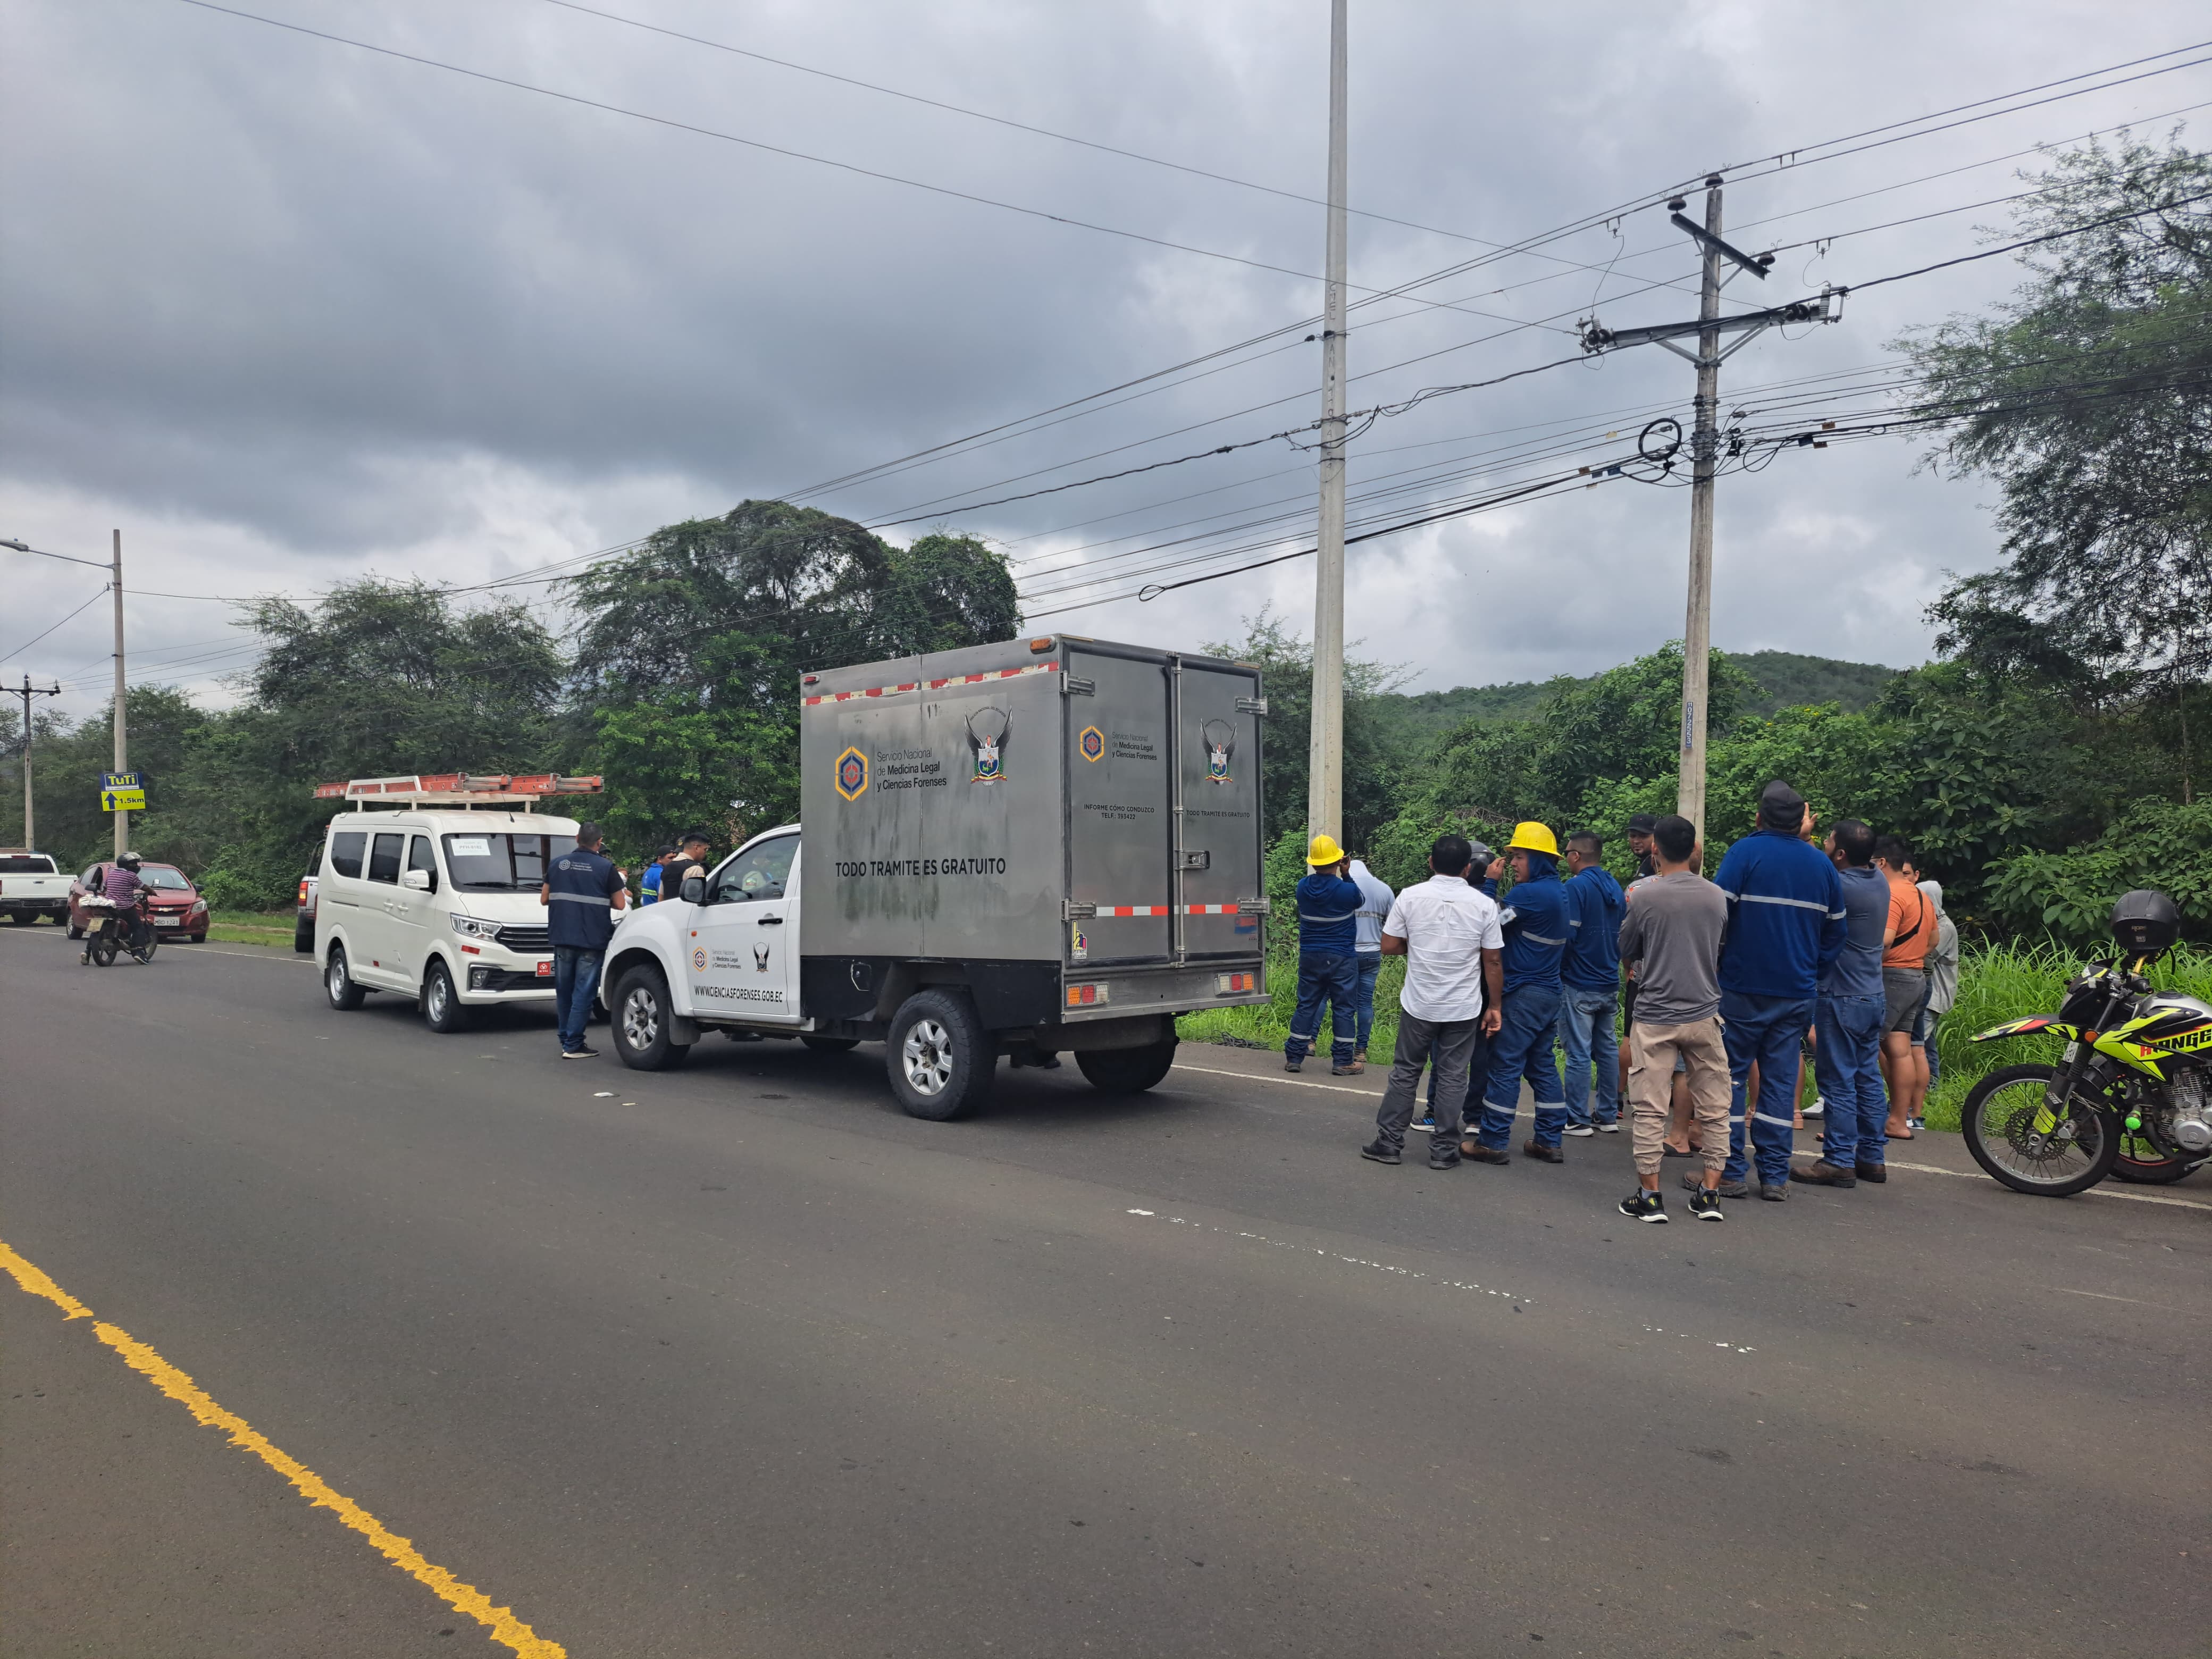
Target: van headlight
(470,928)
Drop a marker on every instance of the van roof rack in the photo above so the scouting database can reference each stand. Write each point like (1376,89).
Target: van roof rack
(458,789)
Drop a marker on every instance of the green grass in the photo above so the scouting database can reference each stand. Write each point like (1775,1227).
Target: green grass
(1995,984)
(251,927)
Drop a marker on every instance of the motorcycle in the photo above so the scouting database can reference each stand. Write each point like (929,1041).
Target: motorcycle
(130,929)
(2132,1094)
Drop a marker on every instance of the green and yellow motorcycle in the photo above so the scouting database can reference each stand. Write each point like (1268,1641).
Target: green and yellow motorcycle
(2132,1094)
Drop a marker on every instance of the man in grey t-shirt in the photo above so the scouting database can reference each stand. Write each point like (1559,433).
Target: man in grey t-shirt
(1672,934)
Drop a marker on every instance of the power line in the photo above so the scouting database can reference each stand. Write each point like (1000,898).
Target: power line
(35,638)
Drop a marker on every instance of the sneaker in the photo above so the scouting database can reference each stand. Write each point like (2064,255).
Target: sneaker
(1816,1106)
(1706,1206)
(1824,1174)
(1290,1065)
(1580,1131)
(1443,1160)
(1426,1121)
(1696,1183)
(1774,1191)
(1476,1152)
(1609,1127)
(580,1054)
(1640,1206)
(1872,1174)
(1376,1152)
(1543,1154)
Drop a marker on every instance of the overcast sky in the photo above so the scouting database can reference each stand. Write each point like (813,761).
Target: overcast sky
(287,310)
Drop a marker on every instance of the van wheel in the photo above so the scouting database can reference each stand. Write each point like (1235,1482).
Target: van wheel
(640,1019)
(941,1063)
(338,982)
(828,1045)
(1127,1071)
(443,1011)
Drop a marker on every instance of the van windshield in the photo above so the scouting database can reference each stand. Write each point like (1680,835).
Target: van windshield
(503,863)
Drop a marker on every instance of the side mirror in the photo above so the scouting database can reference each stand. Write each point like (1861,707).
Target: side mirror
(695,889)
(416,880)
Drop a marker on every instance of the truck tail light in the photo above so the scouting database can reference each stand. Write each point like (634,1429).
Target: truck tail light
(1226,985)
(1086,996)
(303,890)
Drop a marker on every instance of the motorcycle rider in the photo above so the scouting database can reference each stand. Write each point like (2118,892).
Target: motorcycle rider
(121,887)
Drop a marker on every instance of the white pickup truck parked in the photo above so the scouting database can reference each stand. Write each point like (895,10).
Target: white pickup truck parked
(1036,847)
(30,887)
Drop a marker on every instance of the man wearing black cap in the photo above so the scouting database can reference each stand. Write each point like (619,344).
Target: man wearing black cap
(1640,826)
(1786,925)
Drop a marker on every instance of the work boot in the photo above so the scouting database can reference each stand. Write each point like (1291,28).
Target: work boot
(1359,1054)
(1774,1191)
(1347,1068)
(1543,1154)
(1696,1181)
(1291,1065)
(1825,1174)
(1874,1173)
(1376,1152)
(1476,1152)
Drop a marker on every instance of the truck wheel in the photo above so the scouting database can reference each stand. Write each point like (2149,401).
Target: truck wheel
(338,982)
(640,1019)
(828,1045)
(1127,1071)
(941,1064)
(443,1011)
(303,938)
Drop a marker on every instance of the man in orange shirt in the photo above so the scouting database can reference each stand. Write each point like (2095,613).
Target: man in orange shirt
(1905,940)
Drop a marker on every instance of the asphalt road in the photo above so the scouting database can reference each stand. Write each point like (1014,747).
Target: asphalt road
(739,1360)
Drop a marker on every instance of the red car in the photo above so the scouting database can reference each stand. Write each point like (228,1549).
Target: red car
(177,906)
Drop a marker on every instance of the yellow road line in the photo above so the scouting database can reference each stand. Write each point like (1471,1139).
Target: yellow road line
(506,1629)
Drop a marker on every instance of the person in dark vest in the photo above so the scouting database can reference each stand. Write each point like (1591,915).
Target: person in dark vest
(581,893)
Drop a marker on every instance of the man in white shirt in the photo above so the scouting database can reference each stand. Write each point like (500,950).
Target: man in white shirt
(1451,936)
(1375,901)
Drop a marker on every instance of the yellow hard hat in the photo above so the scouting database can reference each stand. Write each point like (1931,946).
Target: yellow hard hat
(1533,837)
(1324,850)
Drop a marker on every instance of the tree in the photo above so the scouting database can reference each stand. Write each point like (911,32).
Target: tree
(2087,398)
(691,647)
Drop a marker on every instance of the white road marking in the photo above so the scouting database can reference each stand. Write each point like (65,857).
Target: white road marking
(1333,1255)
(2094,1191)
(1290,1082)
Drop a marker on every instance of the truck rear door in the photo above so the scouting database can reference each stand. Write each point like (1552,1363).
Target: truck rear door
(1218,733)
(1120,806)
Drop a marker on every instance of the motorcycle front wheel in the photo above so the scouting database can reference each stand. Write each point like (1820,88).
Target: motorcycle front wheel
(1998,1118)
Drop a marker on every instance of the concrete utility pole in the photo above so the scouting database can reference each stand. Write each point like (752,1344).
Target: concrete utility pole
(1325,753)
(1704,444)
(122,726)
(27,692)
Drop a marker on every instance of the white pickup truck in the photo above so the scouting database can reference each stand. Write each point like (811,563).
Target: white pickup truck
(30,887)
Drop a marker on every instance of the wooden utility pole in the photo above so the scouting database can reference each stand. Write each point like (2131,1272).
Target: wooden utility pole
(27,692)
(1324,751)
(1704,444)
(122,725)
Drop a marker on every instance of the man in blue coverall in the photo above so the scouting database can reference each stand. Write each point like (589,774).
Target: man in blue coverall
(1536,926)
(1786,926)
(1590,990)
(1328,967)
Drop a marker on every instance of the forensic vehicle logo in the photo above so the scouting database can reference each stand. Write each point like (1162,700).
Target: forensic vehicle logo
(989,728)
(699,959)
(1220,744)
(759,958)
(1091,742)
(852,775)
(1079,943)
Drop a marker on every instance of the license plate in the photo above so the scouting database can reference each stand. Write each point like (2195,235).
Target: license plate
(545,970)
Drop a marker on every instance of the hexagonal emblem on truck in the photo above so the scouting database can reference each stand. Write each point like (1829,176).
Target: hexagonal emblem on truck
(852,775)
(1090,742)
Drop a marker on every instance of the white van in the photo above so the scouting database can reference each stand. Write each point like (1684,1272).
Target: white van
(438,906)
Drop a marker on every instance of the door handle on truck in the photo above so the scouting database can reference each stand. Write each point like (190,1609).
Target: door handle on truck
(768,921)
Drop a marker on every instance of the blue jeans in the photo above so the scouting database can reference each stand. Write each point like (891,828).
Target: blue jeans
(1330,976)
(1586,1032)
(1847,1060)
(1370,965)
(1522,1048)
(1770,1031)
(1929,1021)
(576,977)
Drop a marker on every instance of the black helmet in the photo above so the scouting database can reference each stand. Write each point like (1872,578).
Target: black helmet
(2146,921)
(131,861)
